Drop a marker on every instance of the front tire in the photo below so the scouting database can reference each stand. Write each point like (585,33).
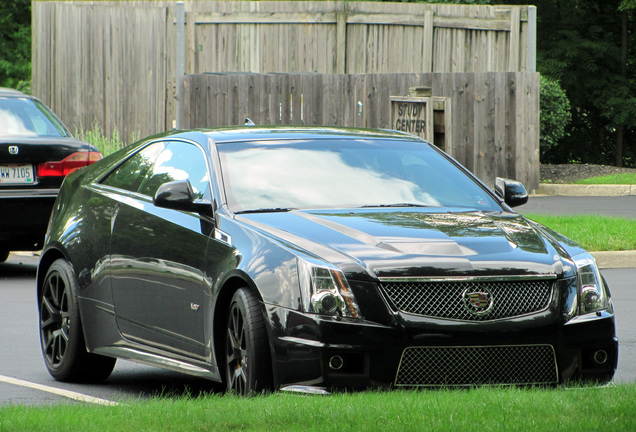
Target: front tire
(61,335)
(248,359)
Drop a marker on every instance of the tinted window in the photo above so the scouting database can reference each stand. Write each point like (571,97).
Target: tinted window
(131,173)
(178,161)
(22,116)
(345,173)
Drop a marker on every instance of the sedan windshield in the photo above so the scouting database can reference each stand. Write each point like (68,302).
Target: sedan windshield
(26,117)
(332,173)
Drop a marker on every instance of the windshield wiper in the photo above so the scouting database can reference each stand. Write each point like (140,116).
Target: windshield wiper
(395,205)
(266,210)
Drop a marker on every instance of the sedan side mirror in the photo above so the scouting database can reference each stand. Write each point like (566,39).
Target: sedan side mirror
(178,195)
(511,191)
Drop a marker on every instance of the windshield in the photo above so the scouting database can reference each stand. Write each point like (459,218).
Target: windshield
(328,173)
(26,117)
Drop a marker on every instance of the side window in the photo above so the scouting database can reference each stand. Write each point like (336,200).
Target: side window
(131,173)
(179,161)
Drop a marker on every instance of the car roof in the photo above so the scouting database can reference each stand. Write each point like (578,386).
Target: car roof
(7,92)
(264,133)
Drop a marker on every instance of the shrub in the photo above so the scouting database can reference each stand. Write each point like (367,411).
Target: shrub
(555,115)
(105,144)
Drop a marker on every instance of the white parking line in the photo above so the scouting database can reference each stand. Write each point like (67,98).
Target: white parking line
(66,393)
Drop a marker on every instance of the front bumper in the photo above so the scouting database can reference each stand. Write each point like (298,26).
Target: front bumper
(25,217)
(309,350)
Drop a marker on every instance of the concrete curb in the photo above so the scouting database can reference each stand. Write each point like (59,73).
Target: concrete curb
(585,190)
(615,259)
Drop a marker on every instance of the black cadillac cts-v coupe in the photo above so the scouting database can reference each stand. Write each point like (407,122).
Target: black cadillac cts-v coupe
(313,259)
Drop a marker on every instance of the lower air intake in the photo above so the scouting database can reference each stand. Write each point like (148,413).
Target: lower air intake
(483,365)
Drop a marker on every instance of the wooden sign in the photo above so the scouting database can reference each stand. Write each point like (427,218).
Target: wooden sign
(423,115)
(413,115)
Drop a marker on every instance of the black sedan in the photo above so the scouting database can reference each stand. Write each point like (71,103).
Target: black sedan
(36,152)
(313,259)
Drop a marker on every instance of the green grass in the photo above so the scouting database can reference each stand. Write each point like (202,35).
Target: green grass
(594,233)
(105,144)
(482,409)
(610,179)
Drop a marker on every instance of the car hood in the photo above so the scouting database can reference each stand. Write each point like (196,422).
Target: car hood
(418,243)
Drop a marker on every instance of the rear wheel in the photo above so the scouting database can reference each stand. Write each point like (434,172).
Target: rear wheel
(61,335)
(4,254)
(248,360)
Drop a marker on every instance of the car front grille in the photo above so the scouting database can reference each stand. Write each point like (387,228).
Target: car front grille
(477,365)
(451,299)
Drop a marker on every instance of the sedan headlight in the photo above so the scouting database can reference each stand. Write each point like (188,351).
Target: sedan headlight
(593,296)
(325,290)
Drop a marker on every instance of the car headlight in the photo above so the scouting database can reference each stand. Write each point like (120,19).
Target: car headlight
(593,296)
(325,290)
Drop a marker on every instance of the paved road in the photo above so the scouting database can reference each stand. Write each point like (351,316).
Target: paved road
(21,358)
(621,206)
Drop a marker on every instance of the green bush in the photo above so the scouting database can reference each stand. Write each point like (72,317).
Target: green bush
(105,144)
(24,86)
(555,115)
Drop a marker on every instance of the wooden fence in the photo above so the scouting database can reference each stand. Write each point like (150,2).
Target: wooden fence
(495,116)
(113,63)
(357,37)
(102,64)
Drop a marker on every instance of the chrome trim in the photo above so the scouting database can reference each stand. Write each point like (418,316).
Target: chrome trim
(157,360)
(305,389)
(29,193)
(498,278)
(302,341)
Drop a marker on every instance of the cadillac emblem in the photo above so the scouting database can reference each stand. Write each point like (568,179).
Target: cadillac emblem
(477,302)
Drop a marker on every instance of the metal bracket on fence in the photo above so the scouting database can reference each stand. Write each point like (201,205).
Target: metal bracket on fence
(180,55)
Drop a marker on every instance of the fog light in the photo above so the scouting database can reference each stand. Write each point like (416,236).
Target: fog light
(336,362)
(600,357)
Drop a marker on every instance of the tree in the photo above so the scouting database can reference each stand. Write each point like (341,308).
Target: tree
(625,6)
(587,45)
(464,2)
(15,42)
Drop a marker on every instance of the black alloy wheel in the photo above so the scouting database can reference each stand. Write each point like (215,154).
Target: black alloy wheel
(61,335)
(248,359)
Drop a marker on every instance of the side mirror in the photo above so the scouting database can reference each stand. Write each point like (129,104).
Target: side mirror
(511,191)
(178,195)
